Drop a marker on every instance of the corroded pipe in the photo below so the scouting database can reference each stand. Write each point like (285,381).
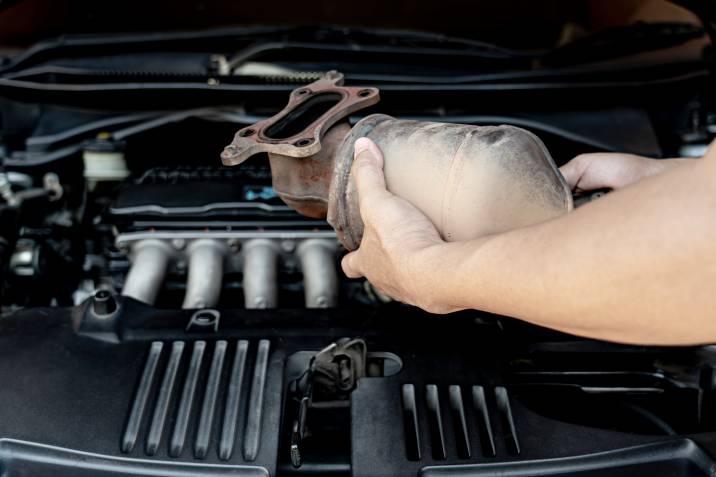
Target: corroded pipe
(469,180)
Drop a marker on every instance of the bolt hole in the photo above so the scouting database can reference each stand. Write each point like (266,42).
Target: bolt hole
(102,295)
(364,93)
(303,142)
(303,91)
(247,132)
(204,317)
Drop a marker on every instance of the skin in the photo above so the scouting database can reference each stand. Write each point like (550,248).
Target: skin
(636,266)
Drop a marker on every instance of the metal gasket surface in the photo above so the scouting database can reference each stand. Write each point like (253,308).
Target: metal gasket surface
(298,129)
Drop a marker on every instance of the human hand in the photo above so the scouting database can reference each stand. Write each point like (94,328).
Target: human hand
(611,170)
(397,239)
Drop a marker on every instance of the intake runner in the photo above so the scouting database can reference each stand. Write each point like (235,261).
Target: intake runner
(469,180)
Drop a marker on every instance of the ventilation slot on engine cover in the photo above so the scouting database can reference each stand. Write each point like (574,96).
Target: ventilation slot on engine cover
(508,423)
(484,426)
(179,399)
(410,420)
(468,419)
(437,435)
(462,433)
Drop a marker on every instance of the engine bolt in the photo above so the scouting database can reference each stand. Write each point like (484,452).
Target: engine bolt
(288,246)
(234,245)
(178,243)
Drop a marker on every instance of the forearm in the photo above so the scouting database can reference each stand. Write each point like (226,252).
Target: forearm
(638,265)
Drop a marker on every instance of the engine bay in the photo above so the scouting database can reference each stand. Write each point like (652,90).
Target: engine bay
(165,314)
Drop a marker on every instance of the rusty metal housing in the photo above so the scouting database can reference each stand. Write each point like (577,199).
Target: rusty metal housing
(469,180)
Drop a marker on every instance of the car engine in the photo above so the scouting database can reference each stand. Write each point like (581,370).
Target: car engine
(167,314)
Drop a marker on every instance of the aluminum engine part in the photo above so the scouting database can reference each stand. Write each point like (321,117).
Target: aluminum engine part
(318,264)
(260,280)
(206,272)
(210,254)
(150,259)
(469,180)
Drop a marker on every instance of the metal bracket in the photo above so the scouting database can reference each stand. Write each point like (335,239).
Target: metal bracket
(298,129)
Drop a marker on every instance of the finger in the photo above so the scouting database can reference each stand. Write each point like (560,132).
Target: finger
(367,169)
(570,174)
(572,171)
(350,265)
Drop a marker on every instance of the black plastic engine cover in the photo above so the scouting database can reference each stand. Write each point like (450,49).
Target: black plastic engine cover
(203,194)
(89,395)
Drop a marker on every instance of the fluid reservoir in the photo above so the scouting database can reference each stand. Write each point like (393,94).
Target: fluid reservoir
(104,161)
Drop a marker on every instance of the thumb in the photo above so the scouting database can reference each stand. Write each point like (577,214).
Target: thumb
(367,168)
(350,267)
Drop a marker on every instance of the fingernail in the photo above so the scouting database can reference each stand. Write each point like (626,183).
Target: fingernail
(362,144)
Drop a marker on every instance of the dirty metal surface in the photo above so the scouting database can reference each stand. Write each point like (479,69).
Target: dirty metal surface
(298,129)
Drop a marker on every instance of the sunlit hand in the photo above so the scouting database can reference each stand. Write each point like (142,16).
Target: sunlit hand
(395,251)
(611,170)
